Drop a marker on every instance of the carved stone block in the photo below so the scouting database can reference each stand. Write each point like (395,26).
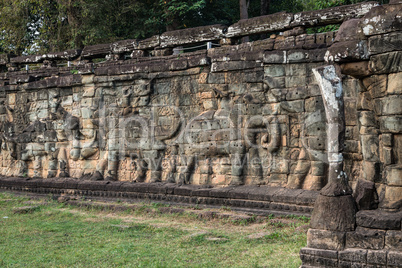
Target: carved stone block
(322,239)
(365,238)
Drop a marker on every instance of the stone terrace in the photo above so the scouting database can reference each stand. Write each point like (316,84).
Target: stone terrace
(237,124)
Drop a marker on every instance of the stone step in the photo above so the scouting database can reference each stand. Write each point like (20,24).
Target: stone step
(261,199)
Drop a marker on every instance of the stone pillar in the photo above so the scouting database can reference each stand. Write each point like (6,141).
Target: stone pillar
(334,210)
(332,94)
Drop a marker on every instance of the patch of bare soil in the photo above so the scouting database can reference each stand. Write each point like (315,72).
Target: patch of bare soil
(216,239)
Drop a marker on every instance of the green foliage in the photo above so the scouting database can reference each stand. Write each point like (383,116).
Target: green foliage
(292,6)
(15,16)
(177,14)
(36,26)
(40,26)
(74,71)
(321,4)
(175,11)
(158,205)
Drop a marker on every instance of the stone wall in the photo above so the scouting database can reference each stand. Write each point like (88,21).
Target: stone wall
(363,229)
(237,114)
(251,113)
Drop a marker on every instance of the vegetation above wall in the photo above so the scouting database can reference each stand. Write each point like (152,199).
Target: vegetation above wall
(41,26)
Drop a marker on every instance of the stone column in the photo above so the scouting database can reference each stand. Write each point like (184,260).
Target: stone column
(334,210)
(332,94)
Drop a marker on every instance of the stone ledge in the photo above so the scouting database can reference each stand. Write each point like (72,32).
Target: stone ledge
(350,258)
(64,55)
(331,254)
(274,22)
(318,257)
(353,255)
(323,239)
(366,238)
(394,259)
(332,15)
(260,197)
(192,35)
(379,219)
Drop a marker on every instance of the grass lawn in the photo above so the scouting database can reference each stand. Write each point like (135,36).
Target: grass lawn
(60,235)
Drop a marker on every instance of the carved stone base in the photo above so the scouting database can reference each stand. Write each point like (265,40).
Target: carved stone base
(335,213)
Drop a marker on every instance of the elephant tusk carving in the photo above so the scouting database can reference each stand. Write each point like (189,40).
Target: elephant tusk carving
(272,140)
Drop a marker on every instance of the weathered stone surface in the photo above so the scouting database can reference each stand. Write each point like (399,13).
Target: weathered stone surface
(27,59)
(347,51)
(386,63)
(379,219)
(385,43)
(64,55)
(330,254)
(377,257)
(387,139)
(391,124)
(316,55)
(332,15)
(370,149)
(365,195)
(263,24)
(192,35)
(336,213)
(367,119)
(148,43)
(392,198)
(123,46)
(325,258)
(349,31)
(233,65)
(393,240)
(391,105)
(376,85)
(382,19)
(353,255)
(275,57)
(365,238)
(394,175)
(394,259)
(96,51)
(328,240)
(332,92)
(394,83)
(356,69)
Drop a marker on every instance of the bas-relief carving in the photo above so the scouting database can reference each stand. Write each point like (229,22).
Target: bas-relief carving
(129,132)
(166,130)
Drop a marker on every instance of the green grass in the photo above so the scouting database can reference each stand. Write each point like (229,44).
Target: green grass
(57,235)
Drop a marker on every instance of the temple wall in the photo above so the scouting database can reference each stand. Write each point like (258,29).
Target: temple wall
(196,113)
(233,114)
(250,113)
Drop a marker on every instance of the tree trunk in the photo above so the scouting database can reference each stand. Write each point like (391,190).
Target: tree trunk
(244,15)
(265,7)
(172,21)
(173,25)
(74,21)
(265,4)
(243,9)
